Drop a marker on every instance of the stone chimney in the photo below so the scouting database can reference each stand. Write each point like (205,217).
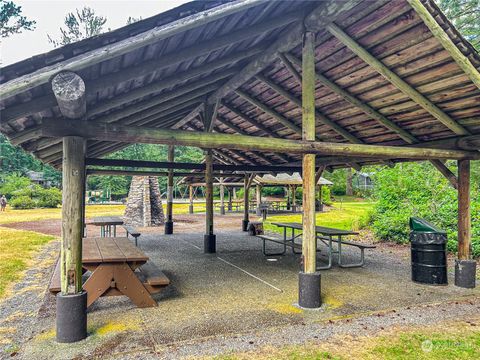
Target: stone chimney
(144,205)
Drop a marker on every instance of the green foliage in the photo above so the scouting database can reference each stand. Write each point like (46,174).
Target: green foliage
(80,25)
(11,19)
(326,195)
(339,179)
(22,202)
(12,184)
(25,195)
(465,15)
(48,198)
(417,189)
(273,191)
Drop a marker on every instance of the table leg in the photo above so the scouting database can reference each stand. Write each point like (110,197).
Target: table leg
(119,277)
(330,255)
(114,230)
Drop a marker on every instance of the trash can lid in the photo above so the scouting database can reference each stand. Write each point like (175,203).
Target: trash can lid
(422,225)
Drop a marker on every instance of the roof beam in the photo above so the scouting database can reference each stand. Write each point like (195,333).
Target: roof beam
(93,86)
(318,115)
(320,16)
(248,119)
(437,31)
(277,116)
(69,90)
(240,131)
(396,80)
(405,135)
(246,143)
(43,75)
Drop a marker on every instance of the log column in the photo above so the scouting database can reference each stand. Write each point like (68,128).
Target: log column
(245,204)
(465,267)
(190,193)
(258,196)
(230,191)
(309,278)
(169,221)
(69,91)
(294,200)
(222,197)
(209,243)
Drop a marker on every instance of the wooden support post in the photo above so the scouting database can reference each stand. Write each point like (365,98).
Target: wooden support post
(190,193)
(72,223)
(209,238)
(245,204)
(71,324)
(258,198)
(294,198)
(464,230)
(222,197)
(169,221)
(465,266)
(230,194)
(309,279)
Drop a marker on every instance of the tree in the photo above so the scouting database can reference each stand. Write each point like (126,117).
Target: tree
(11,19)
(79,25)
(349,187)
(465,15)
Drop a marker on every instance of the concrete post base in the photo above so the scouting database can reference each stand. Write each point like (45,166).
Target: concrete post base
(209,243)
(168,227)
(245,225)
(465,273)
(71,317)
(309,290)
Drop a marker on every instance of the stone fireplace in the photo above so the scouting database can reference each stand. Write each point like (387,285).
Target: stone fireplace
(144,204)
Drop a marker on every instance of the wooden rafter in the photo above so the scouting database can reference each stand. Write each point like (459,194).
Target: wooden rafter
(320,16)
(352,99)
(396,80)
(446,42)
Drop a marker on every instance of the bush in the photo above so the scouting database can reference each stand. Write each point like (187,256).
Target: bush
(12,184)
(419,190)
(22,202)
(49,198)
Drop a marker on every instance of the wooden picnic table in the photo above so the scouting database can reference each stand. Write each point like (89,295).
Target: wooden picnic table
(106,223)
(328,236)
(117,268)
(113,261)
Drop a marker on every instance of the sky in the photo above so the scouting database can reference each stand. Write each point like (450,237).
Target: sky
(50,14)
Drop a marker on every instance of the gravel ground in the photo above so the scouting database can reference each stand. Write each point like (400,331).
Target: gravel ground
(235,300)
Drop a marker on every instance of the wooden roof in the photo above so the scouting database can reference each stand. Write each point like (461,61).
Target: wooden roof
(155,72)
(286,179)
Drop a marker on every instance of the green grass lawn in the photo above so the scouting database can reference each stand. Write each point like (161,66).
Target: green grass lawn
(17,248)
(458,340)
(11,215)
(345,215)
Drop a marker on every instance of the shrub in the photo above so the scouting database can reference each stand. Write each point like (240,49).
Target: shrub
(419,190)
(22,202)
(49,198)
(12,184)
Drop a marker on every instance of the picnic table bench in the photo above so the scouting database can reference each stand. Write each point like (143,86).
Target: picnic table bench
(130,230)
(326,235)
(117,268)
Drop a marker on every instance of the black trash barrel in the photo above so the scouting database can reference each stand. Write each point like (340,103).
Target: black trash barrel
(429,253)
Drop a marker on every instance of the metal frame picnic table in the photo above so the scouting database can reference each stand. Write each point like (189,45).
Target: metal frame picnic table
(325,235)
(106,223)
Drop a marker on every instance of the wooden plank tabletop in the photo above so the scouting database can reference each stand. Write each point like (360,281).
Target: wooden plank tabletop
(111,250)
(319,229)
(106,220)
